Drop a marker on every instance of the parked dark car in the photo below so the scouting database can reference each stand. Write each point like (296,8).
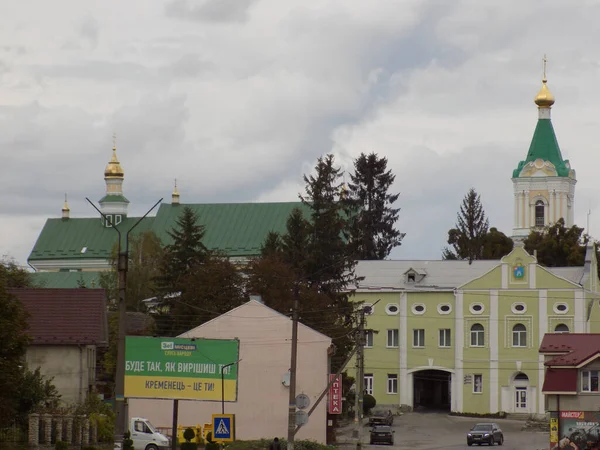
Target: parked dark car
(485,433)
(382,434)
(381,418)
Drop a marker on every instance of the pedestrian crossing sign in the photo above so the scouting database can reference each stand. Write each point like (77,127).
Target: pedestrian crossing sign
(223,426)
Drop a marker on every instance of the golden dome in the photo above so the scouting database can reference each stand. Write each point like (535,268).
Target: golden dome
(66,205)
(113,168)
(544,98)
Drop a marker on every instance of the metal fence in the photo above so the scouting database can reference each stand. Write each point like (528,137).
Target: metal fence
(12,434)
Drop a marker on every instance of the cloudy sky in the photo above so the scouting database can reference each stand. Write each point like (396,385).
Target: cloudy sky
(238,98)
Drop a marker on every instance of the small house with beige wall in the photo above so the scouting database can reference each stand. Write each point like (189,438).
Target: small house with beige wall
(263,373)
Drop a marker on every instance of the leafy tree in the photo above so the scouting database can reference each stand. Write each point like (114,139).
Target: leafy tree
(371,215)
(468,238)
(557,245)
(21,389)
(369,403)
(496,244)
(211,289)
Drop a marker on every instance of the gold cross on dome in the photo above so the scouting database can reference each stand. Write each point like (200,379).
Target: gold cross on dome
(544,61)
(114,140)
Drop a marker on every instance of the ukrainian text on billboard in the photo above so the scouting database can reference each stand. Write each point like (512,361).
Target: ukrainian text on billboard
(176,368)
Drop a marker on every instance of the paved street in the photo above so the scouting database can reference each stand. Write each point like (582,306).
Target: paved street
(432,431)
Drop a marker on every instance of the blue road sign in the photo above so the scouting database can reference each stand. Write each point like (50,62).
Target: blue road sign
(223,427)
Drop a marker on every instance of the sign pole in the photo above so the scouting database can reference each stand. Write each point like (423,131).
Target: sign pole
(174,430)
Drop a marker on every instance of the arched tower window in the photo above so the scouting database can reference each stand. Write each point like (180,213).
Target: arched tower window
(539,214)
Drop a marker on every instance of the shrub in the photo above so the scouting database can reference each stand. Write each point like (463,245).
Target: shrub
(127,442)
(189,434)
(89,447)
(210,444)
(369,403)
(61,445)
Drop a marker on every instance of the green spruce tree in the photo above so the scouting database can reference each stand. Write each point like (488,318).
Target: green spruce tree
(468,238)
(371,215)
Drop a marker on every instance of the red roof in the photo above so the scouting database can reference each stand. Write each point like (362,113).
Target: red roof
(571,349)
(65,316)
(560,381)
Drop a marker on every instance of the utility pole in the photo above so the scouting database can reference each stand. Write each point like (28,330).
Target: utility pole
(360,377)
(121,406)
(293,364)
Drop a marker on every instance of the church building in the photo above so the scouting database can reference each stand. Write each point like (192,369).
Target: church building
(544,183)
(464,337)
(74,250)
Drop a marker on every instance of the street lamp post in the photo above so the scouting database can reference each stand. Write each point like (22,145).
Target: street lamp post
(122,263)
(223,384)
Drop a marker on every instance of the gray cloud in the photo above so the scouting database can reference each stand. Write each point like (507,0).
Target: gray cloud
(239,110)
(221,11)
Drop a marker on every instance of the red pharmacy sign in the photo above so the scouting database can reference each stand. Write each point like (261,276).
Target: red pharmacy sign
(335,395)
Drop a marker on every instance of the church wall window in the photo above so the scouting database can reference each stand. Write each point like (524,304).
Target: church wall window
(539,214)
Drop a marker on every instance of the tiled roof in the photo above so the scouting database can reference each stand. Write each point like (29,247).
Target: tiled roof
(65,316)
(237,229)
(560,381)
(63,280)
(572,350)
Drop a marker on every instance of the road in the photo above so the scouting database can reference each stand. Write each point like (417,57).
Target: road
(437,431)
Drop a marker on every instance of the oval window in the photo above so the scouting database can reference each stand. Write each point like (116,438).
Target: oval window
(561,308)
(418,308)
(392,309)
(444,308)
(519,308)
(476,308)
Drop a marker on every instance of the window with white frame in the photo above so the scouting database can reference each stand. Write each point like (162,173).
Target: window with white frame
(561,328)
(445,337)
(392,338)
(392,383)
(369,383)
(369,338)
(477,335)
(477,383)
(589,381)
(419,338)
(519,334)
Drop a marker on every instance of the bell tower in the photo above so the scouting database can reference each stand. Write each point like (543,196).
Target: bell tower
(544,183)
(114,204)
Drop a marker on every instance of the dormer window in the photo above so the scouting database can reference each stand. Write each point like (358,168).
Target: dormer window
(414,275)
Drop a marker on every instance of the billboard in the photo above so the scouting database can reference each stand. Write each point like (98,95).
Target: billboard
(581,428)
(335,395)
(184,369)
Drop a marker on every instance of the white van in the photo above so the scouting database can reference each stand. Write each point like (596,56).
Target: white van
(145,436)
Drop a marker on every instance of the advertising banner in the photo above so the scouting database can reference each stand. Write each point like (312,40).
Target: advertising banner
(576,429)
(184,369)
(335,395)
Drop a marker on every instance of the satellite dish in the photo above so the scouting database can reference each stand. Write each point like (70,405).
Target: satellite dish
(285,379)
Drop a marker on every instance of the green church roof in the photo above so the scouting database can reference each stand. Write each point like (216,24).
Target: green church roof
(114,198)
(237,229)
(544,146)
